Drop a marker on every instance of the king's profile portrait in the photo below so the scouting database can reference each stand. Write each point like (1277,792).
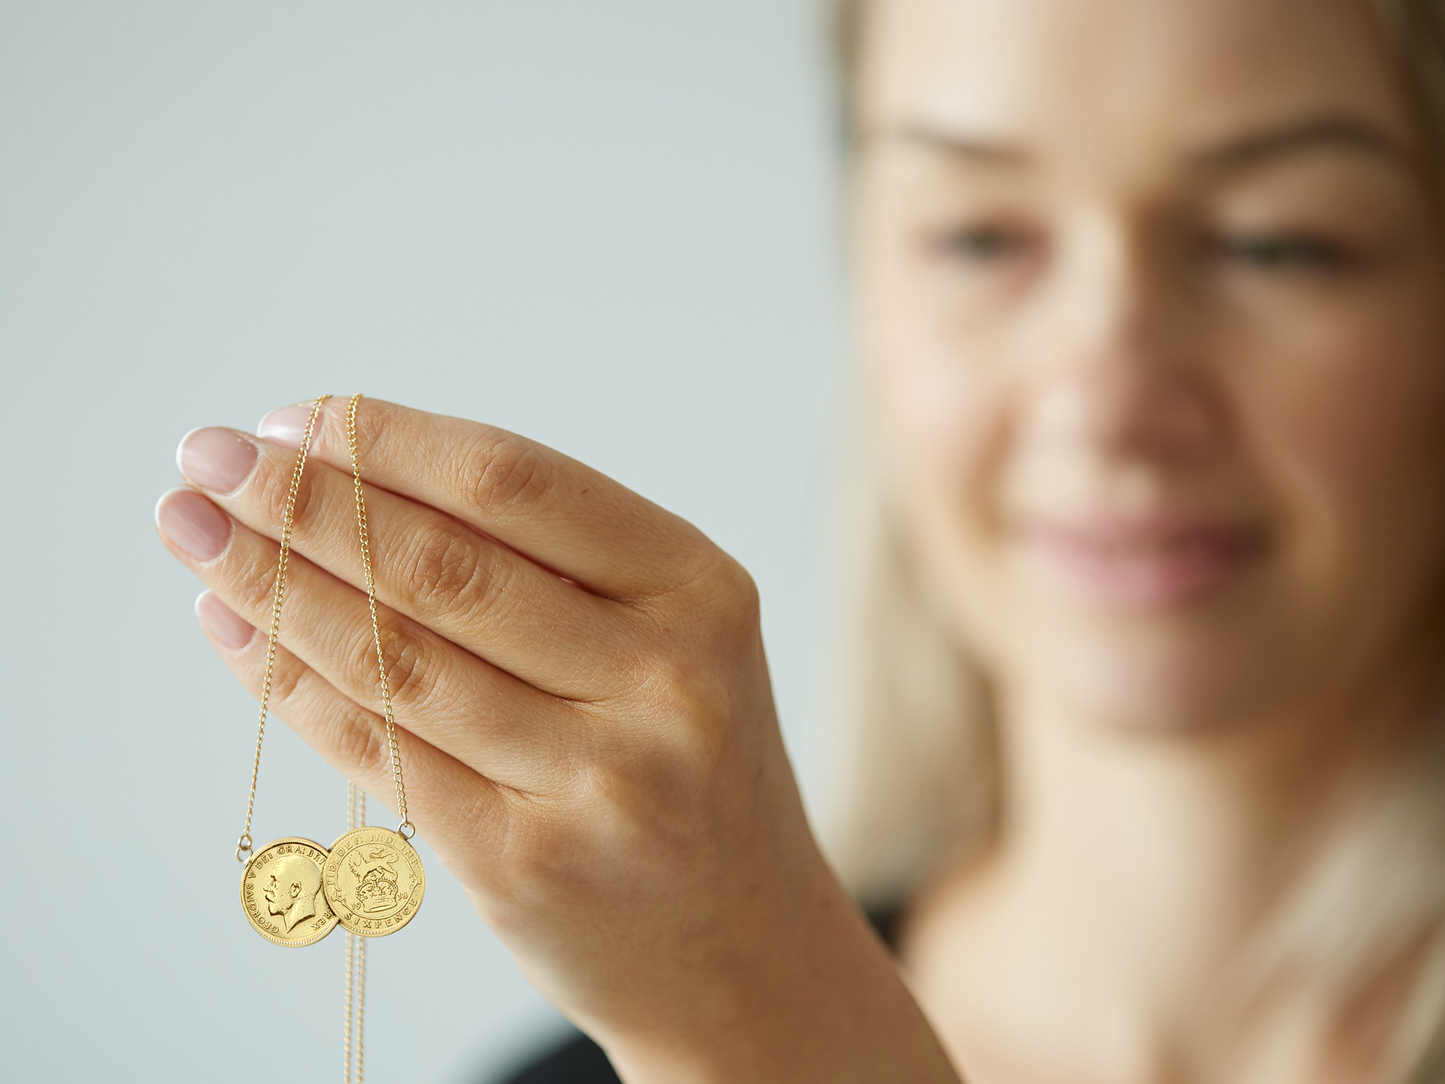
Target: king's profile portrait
(291,891)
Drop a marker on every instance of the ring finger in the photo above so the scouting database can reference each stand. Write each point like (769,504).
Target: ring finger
(489,720)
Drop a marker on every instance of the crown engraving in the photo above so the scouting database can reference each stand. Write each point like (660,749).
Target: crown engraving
(376,881)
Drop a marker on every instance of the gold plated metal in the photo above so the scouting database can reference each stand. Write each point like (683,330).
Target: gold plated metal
(281,893)
(352,1044)
(294,891)
(243,845)
(373,880)
(405,828)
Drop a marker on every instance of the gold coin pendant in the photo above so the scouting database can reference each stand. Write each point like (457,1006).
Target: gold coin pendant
(373,880)
(282,896)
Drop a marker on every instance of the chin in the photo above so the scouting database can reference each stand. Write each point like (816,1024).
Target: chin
(1164,684)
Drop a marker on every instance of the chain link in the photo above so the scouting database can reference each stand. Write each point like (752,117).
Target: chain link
(244,846)
(353,1043)
(405,828)
(355,963)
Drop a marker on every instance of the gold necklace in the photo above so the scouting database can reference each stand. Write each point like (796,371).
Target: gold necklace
(370,881)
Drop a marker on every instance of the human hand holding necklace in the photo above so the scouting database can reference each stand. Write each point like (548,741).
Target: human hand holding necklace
(587,724)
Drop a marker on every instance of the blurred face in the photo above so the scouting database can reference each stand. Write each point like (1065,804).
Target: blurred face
(1154,298)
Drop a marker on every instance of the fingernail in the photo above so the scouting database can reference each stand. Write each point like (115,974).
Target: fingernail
(193,523)
(285,425)
(216,459)
(222,622)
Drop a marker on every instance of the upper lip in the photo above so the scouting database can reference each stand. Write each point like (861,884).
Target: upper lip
(1122,534)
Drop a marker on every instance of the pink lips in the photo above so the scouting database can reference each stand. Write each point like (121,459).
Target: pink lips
(1144,562)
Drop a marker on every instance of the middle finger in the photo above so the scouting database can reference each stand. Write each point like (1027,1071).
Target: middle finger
(500,727)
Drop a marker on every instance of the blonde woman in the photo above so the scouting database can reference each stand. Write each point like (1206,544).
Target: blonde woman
(1152,482)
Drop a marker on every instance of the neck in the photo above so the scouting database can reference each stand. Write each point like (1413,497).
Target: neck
(1138,873)
(1157,861)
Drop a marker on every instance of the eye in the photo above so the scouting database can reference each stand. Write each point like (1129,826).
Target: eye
(1284,252)
(981,244)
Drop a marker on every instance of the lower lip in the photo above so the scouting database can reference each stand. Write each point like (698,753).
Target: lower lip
(1143,577)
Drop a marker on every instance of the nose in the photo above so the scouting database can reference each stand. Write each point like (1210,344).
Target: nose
(1119,366)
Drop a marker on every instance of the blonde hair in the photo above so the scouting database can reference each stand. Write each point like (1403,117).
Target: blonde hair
(920,783)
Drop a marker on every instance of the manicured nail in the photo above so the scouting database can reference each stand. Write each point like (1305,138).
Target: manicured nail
(286,425)
(216,459)
(222,622)
(193,523)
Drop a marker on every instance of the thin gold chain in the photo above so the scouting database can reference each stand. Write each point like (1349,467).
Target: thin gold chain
(353,1048)
(244,846)
(355,963)
(405,829)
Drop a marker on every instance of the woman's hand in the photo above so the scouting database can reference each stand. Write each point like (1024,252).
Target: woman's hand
(587,732)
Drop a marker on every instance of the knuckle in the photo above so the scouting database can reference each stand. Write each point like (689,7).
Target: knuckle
(286,679)
(699,710)
(448,569)
(540,855)
(738,591)
(504,475)
(535,851)
(413,674)
(271,489)
(360,740)
(372,427)
(660,799)
(722,589)
(253,580)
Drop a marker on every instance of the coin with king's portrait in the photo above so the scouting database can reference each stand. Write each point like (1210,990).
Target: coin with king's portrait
(373,880)
(281,893)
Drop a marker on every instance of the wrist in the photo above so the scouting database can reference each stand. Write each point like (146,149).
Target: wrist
(821,999)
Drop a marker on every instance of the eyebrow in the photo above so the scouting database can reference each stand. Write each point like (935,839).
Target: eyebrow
(1301,136)
(1294,137)
(957,145)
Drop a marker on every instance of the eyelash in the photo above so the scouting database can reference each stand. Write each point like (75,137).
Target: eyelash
(1283,253)
(980,244)
(1267,253)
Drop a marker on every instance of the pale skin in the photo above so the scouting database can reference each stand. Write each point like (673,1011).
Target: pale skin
(1162,364)
(1150,294)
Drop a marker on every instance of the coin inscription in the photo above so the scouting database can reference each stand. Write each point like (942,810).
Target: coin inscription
(282,896)
(373,880)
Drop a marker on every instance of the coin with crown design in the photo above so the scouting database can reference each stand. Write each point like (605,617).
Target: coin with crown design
(373,880)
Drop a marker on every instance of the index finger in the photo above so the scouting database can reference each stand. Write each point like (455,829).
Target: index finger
(554,510)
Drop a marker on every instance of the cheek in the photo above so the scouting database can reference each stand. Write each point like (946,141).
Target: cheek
(938,397)
(1361,445)
(1349,427)
(941,414)
(942,408)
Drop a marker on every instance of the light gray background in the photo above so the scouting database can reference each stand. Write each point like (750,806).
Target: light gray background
(608,224)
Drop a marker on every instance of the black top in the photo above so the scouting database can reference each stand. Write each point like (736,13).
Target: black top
(576,1059)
